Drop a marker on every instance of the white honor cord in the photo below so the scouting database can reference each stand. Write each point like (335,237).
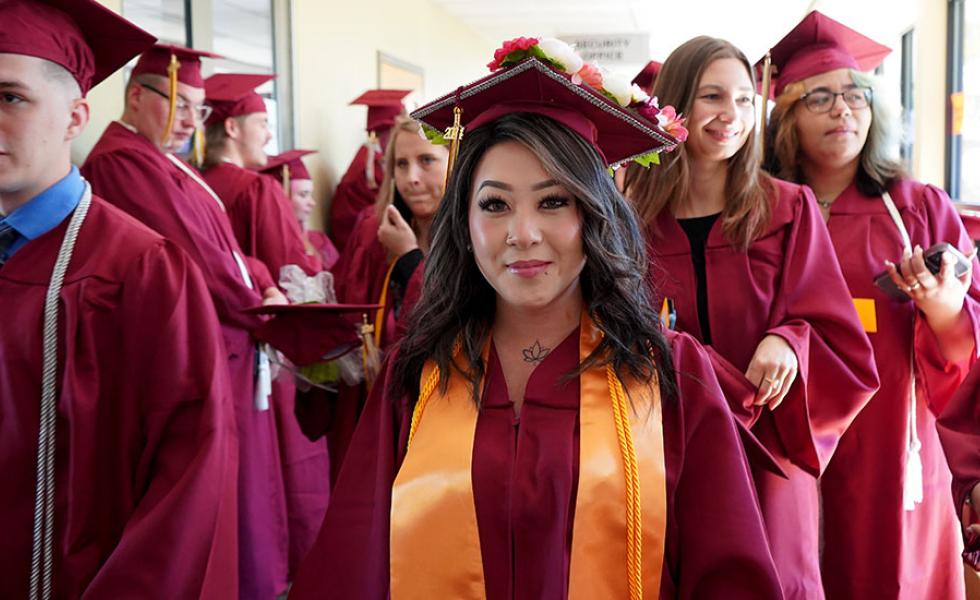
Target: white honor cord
(912,489)
(42,558)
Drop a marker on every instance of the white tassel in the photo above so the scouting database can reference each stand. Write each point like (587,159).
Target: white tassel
(912,491)
(263,383)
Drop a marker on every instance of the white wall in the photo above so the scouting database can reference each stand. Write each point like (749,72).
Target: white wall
(335,46)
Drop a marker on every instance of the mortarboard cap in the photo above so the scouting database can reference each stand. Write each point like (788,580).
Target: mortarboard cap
(648,75)
(819,44)
(234,95)
(157,61)
(383,107)
(310,333)
(532,86)
(87,39)
(287,167)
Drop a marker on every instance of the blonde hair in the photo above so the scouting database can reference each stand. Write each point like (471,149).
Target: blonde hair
(387,193)
(747,211)
(878,167)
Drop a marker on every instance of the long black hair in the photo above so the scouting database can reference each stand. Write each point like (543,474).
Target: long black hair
(457,302)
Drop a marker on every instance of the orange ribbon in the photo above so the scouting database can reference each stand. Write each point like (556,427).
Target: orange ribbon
(617,533)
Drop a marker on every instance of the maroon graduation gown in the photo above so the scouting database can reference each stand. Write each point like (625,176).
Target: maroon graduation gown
(261,218)
(353,194)
(788,284)
(874,548)
(146,458)
(325,248)
(715,542)
(128,171)
(959,432)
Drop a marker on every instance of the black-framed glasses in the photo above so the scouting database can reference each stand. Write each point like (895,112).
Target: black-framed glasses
(201,112)
(821,101)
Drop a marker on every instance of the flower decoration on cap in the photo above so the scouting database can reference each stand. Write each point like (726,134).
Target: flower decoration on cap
(547,76)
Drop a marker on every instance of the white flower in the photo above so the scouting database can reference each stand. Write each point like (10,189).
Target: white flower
(639,95)
(618,86)
(562,53)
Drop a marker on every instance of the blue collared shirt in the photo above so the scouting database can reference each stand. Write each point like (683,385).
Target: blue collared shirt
(47,210)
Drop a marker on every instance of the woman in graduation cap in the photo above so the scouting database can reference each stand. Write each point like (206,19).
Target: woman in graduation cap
(537,435)
(382,258)
(289,170)
(890,529)
(745,265)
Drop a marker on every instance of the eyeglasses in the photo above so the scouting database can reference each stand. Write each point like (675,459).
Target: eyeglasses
(200,112)
(821,101)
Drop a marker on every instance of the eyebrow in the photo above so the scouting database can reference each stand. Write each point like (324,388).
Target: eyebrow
(715,86)
(824,88)
(507,187)
(17,85)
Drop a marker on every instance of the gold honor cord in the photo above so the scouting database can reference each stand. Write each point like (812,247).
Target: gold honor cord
(766,84)
(285,180)
(455,135)
(172,114)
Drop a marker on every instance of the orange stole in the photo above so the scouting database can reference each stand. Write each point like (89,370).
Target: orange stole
(435,543)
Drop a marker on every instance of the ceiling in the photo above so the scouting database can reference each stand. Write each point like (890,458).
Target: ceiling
(753,25)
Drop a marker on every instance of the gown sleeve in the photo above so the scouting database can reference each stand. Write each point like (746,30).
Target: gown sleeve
(716,544)
(937,377)
(277,239)
(959,432)
(185,519)
(814,313)
(143,189)
(350,555)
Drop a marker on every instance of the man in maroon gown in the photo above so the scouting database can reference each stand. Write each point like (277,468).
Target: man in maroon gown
(141,436)
(358,188)
(134,168)
(260,214)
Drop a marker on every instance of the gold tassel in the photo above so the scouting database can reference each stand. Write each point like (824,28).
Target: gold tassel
(172,114)
(285,181)
(455,135)
(766,83)
(198,149)
(370,353)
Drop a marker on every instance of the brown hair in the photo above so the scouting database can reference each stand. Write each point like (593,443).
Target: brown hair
(215,138)
(877,168)
(747,211)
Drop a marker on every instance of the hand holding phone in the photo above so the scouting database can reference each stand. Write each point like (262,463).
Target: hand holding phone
(900,281)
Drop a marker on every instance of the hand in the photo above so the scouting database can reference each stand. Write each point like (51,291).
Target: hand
(939,297)
(395,234)
(272,296)
(772,371)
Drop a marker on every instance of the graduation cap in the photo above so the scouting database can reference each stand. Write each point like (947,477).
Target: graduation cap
(90,41)
(532,76)
(819,44)
(311,333)
(287,167)
(177,64)
(234,95)
(383,107)
(648,75)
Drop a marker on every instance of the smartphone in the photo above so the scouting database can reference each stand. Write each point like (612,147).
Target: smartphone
(934,262)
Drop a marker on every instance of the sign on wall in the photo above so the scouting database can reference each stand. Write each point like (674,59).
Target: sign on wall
(606,49)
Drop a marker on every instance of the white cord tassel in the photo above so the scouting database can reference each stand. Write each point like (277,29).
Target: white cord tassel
(373,149)
(263,382)
(912,490)
(42,550)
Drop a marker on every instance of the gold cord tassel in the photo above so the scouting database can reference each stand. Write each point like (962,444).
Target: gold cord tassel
(455,135)
(198,150)
(766,83)
(285,180)
(370,353)
(172,114)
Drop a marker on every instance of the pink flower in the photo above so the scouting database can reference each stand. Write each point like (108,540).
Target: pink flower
(521,44)
(672,123)
(590,75)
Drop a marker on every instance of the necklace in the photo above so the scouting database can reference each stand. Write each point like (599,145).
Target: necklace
(825,204)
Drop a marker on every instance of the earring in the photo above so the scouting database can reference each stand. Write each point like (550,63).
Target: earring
(469,248)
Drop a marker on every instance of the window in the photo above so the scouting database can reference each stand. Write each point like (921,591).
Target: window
(963,105)
(252,35)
